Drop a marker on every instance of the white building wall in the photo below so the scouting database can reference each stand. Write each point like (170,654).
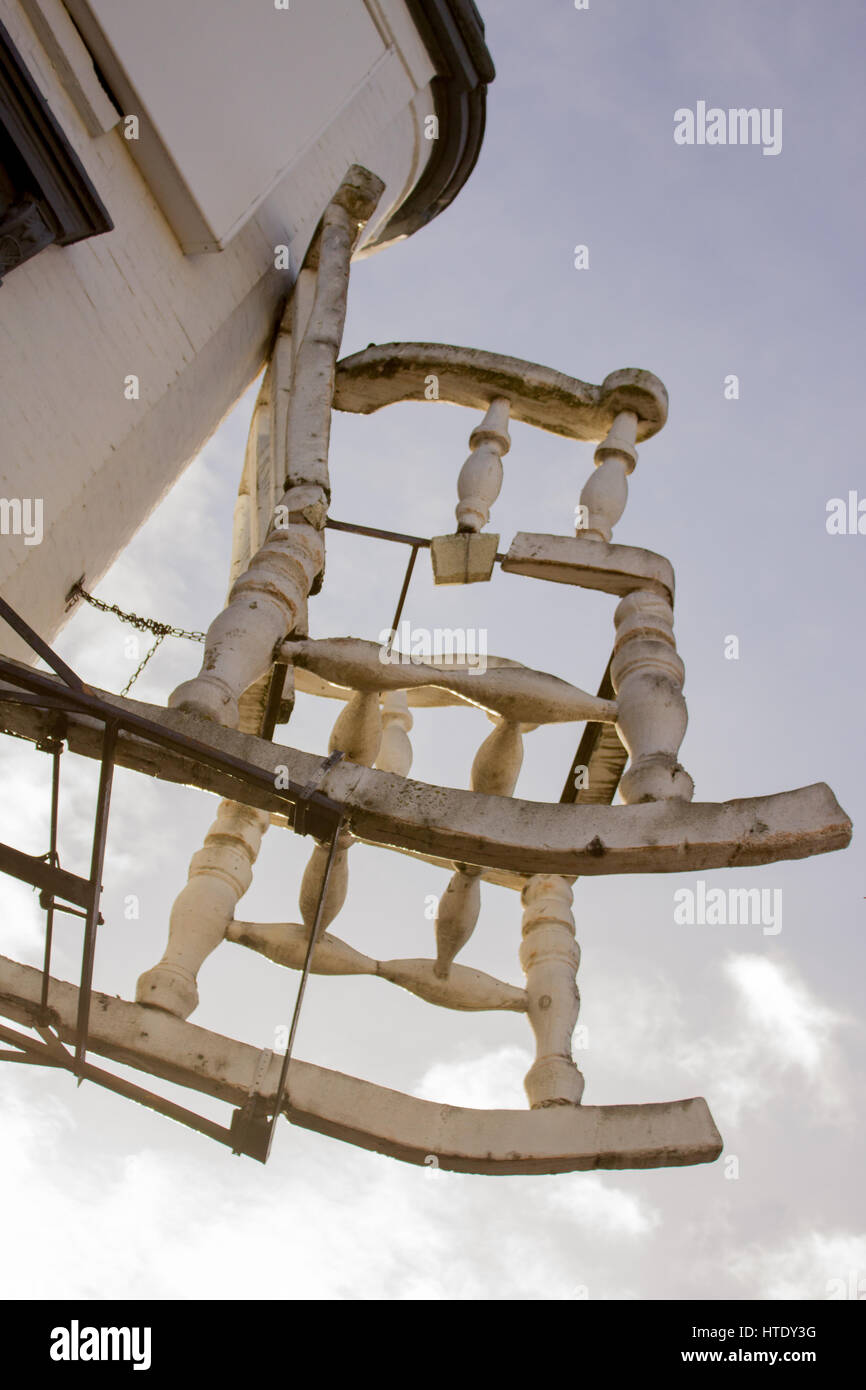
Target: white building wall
(194,329)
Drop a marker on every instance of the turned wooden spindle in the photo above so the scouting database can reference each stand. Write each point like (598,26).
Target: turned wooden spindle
(647,675)
(514,692)
(481,475)
(497,763)
(267,601)
(357,732)
(219,875)
(494,772)
(456,916)
(550,957)
(286,943)
(395,749)
(606,491)
(338,882)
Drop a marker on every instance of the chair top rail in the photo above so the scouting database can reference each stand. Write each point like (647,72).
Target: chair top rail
(385,374)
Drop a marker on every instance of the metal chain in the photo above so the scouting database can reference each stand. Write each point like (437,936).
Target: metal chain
(160,630)
(141,665)
(143,624)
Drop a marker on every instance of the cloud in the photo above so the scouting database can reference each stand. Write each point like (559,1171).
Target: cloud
(793,1024)
(592,1203)
(771,1027)
(778,1027)
(815,1265)
(169,1225)
(491,1081)
(494,1080)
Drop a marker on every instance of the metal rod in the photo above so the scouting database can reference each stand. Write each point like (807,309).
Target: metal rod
(23,628)
(11,696)
(53,860)
(40,1055)
(376,533)
(54,1045)
(100,830)
(30,1061)
(402,599)
(275,693)
(311,944)
(32,869)
(90,703)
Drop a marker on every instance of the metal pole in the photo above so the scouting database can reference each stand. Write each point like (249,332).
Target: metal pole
(402,599)
(275,692)
(18,624)
(314,933)
(106,774)
(53,860)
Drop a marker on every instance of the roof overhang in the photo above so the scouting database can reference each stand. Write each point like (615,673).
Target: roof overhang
(453,33)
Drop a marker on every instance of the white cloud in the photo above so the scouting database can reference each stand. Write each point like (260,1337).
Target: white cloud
(359,1227)
(779,1026)
(816,1265)
(491,1081)
(793,1024)
(592,1203)
(494,1080)
(773,1027)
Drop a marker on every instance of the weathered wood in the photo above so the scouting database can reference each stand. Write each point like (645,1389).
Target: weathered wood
(480,478)
(456,917)
(550,956)
(648,675)
(591,564)
(605,494)
(422,697)
(395,748)
(497,832)
(386,373)
(495,770)
(464,557)
(268,599)
(516,693)
(465,988)
(219,875)
(558,1139)
(357,732)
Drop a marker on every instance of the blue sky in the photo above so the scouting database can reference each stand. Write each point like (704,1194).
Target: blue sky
(703,261)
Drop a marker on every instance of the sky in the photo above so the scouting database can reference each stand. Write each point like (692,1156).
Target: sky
(704,261)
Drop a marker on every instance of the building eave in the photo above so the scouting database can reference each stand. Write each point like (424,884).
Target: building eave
(453,33)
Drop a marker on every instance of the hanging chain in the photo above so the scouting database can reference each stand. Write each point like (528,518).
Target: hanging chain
(160,630)
(143,624)
(141,665)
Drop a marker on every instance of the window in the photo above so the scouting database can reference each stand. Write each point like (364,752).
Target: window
(45,195)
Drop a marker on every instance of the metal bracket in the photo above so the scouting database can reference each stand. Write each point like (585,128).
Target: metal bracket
(299,822)
(249,1129)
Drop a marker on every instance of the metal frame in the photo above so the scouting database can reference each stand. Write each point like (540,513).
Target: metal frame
(251,1132)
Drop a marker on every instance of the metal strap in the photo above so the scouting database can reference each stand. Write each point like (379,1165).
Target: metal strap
(299,823)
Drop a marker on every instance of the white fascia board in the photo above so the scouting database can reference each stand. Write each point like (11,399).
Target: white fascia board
(72,63)
(226,108)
